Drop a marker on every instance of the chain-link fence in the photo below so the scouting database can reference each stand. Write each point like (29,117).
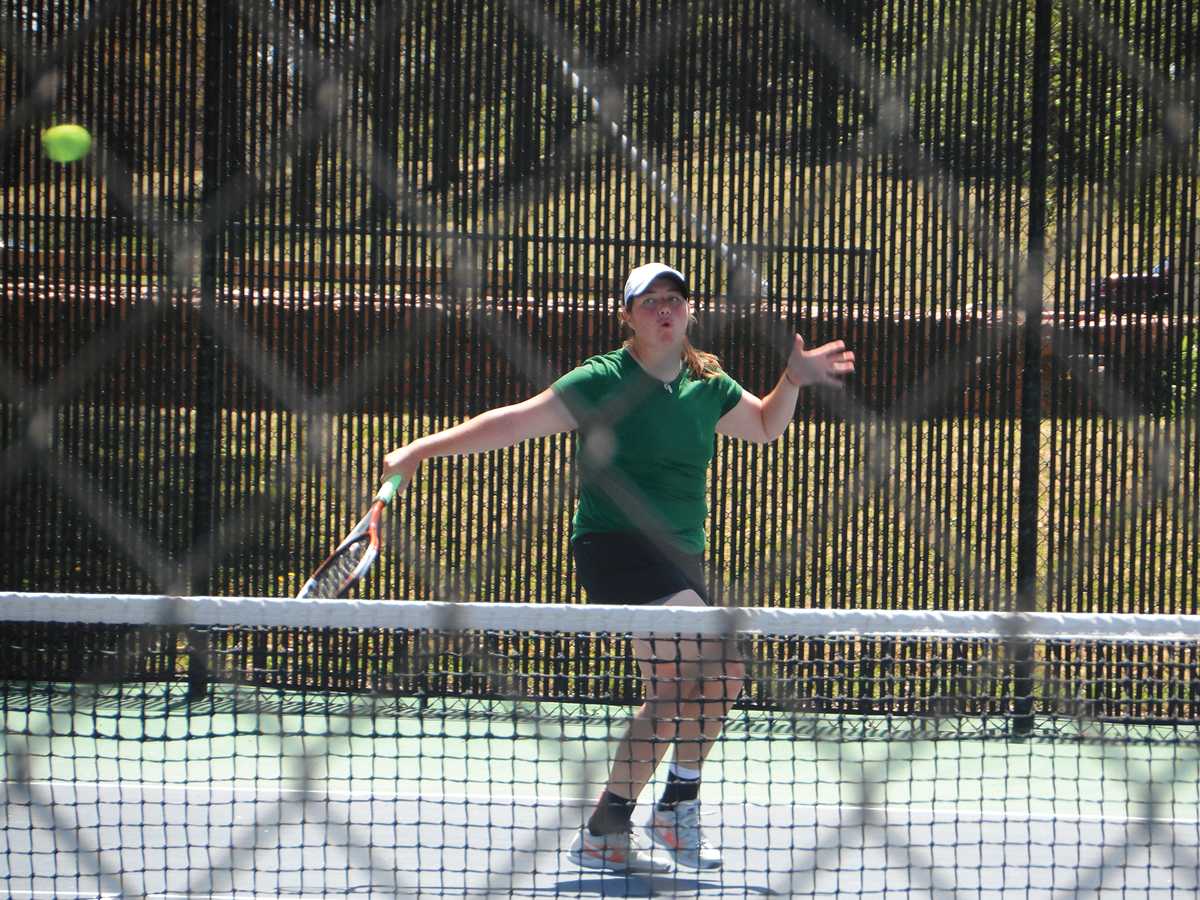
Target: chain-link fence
(312,231)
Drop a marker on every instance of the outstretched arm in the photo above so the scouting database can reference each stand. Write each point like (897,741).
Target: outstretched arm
(763,420)
(495,429)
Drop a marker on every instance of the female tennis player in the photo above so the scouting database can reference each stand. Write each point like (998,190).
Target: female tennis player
(647,414)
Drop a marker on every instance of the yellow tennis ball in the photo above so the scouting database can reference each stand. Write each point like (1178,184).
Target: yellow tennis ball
(66,143)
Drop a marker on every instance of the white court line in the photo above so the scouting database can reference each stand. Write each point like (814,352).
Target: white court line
(954,813)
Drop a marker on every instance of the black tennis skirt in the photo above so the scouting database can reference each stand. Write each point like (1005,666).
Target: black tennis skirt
(618,567)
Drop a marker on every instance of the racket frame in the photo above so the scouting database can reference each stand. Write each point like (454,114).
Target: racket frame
(368,525)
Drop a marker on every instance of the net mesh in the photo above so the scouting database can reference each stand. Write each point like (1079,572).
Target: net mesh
(426,749)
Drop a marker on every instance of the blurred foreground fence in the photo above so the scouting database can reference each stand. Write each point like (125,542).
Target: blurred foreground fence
(313,230)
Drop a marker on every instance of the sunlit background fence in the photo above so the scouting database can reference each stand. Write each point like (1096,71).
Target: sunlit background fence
(323,224)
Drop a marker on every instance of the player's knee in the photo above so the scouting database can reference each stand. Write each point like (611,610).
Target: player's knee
(717,669)
(665,685)
(735,670)
(720,682)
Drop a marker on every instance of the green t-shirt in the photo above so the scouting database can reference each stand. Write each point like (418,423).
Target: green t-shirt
(658,446)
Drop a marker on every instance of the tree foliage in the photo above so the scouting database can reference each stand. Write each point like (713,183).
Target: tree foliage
(462,93)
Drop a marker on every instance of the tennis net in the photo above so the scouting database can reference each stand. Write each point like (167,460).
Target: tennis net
(457,749)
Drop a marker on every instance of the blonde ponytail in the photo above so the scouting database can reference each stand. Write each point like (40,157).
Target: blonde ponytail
(702,365)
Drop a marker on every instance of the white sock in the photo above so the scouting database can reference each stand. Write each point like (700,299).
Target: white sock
(686,774)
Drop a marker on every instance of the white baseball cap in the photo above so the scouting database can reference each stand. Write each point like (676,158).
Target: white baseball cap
(641,278)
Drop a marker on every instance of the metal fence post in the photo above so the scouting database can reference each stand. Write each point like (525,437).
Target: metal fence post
(221,138)
(384,104)
(1029,301)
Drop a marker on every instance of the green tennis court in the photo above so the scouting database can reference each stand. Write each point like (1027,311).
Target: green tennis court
(135,790)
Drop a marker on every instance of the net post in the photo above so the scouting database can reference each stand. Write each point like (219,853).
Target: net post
(198,645)
(1023,687)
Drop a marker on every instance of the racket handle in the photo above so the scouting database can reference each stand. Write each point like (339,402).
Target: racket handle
(388,491)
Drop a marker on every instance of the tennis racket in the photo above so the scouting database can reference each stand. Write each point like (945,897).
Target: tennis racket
(354,555)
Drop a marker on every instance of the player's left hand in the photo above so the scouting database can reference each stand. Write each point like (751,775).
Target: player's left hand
(826,365)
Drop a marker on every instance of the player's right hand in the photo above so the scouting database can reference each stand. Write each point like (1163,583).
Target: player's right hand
(402,461)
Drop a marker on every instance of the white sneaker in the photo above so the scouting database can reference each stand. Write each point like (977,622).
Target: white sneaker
(679,831)
(619,852)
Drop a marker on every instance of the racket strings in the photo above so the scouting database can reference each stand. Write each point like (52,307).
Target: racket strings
(328,582)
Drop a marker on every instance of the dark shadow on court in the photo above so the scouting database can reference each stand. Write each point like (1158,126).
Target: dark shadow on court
(615,885)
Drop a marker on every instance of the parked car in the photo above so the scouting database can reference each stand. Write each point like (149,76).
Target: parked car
(1133,292)
(13,255)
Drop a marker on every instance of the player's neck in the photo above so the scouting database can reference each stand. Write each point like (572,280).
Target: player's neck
(662,362)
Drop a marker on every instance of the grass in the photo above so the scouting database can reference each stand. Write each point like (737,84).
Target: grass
(908,515)
(936,243)
(911,515)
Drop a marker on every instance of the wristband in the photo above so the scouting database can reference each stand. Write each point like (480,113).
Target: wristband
(789,379)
